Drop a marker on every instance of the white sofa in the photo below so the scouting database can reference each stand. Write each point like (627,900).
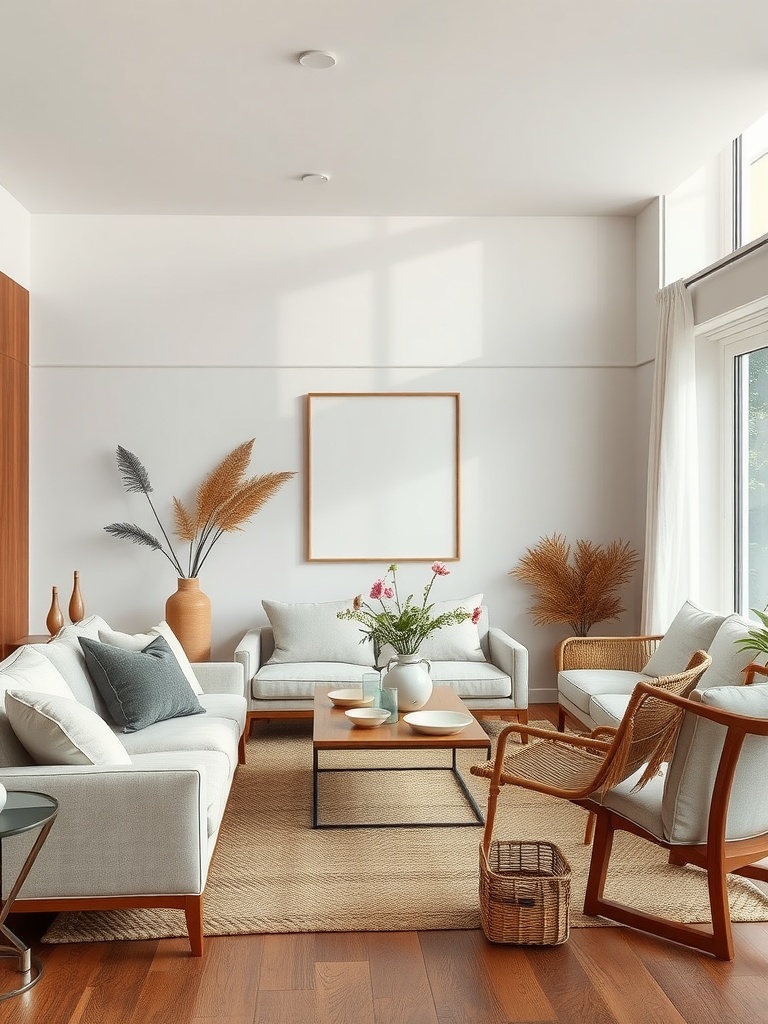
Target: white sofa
(306,644)
(596,675)
(139,811)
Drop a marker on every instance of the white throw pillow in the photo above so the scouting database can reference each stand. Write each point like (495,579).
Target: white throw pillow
(458,642)
(312,632)
(691,630)
(58,730)
(27,669)
(728,660)
(138,641)
(90,626)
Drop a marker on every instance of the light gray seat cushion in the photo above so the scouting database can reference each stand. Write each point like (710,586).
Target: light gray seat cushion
(472,678)
(642,806)
(608,709)
(579,685)
(297,680)
(201,732)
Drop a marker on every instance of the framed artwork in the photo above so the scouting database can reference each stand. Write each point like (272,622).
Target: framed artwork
(382,476)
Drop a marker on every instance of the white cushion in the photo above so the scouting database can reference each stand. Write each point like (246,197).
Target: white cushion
(728,660)
(313,632)
(138,641)
(691,775)
(608,708)
(472,678)
(580,685)
(691,630)
(297,680)
(66,655)
(90,626)
(457,642)
(58,730)
(28,669)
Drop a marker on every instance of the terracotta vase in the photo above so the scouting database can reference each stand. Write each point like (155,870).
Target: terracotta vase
(188,613)
(55,619)
(76,605)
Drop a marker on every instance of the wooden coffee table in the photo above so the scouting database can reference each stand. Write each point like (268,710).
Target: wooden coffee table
(334,731)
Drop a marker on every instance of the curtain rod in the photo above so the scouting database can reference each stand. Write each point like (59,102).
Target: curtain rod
(745,250)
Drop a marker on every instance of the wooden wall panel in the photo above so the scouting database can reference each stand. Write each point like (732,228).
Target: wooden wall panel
(14,462)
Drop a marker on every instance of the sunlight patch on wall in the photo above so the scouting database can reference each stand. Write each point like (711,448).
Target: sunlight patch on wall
(436,311)
(327,324)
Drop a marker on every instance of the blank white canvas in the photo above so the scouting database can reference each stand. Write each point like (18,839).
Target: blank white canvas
(383,477)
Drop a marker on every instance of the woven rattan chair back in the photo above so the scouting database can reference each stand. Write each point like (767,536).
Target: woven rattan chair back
(574,767)
(649,728)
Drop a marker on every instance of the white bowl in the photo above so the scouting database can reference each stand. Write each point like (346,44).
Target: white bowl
(367,718)
(438,723)
(350,698)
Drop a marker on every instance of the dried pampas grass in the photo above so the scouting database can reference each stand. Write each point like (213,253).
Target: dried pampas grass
(579,586)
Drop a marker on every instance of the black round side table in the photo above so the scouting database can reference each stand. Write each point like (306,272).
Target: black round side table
(22,812)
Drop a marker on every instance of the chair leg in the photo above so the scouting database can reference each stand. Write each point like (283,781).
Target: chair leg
(490,816)
(722,936)
(522,718)
(560,718)
(589,831)
(602,845)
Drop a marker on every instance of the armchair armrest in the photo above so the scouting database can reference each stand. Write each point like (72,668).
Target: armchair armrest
(512,658)
(220,676)
(248,653)
(628,653)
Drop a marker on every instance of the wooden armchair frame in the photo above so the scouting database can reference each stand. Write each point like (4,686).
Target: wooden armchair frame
(575,767)
(717,856)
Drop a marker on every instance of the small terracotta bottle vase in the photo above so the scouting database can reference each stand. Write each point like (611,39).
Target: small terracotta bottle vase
(55,619)
(76,606)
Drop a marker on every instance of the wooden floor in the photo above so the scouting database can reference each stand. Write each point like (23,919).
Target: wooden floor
(600,975)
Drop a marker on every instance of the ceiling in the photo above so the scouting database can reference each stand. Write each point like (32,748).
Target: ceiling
(435,107)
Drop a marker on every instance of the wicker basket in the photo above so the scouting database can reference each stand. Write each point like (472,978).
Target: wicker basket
(525,891)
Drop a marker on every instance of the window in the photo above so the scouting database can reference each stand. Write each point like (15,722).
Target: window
(752,155)
(751,474)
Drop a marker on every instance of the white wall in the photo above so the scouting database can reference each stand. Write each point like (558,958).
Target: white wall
(14,239)
(181,337)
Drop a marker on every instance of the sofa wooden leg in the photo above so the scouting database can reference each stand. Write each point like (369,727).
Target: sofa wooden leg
(193,911)
(560,718)
(522,718)
(241,748)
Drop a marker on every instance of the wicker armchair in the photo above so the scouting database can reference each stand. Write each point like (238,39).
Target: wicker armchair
(576,767)
(624,653)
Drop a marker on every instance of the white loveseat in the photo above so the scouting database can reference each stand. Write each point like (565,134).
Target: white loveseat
(307,644)
(139,811)
(596,675)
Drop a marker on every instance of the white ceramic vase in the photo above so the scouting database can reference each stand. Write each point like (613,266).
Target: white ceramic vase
(409,673)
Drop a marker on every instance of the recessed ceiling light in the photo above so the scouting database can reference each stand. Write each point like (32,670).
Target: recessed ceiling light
(316,178)
(317,59)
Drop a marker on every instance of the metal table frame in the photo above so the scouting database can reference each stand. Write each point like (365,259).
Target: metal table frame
(317,771)
(29,965)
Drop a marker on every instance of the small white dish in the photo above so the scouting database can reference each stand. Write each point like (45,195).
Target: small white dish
(437,723)
(349,699)
(367,718)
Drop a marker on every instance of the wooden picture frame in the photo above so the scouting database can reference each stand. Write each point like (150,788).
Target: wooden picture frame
(382,476)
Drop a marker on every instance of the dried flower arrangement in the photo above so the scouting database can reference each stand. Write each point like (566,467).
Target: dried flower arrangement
(582,591)
(225,501)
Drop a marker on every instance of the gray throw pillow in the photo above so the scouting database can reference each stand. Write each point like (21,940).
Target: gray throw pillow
(140,687)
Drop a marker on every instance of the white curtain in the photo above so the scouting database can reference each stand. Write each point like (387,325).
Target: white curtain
(671,569)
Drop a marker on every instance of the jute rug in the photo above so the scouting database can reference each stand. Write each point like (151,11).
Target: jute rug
(273,873)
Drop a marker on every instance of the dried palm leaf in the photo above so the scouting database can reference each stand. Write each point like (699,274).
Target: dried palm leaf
(185,523)
(222,482)
(249,499)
